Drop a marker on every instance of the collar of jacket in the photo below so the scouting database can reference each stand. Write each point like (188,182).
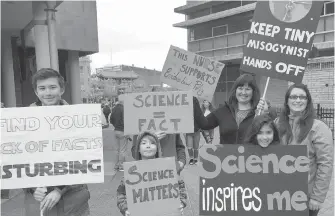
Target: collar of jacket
(39,103)
(232,110)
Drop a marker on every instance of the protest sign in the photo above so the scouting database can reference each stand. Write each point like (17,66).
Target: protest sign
(152,187)
(171,112)
(280,38)
(247,180)
(51,145)
(188,71)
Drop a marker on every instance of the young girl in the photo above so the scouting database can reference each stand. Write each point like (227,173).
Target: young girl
(147,147)
(262,132)
(207,108)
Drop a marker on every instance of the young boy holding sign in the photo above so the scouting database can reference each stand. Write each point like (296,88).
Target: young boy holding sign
(147,147)
(49,86)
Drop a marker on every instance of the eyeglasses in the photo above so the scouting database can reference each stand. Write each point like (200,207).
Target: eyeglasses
(295,97)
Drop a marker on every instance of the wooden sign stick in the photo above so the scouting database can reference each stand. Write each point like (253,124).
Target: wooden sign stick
(265,89)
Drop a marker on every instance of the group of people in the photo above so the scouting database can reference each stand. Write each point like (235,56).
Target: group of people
(238,123)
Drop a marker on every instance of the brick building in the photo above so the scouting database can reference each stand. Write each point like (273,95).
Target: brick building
(219,30)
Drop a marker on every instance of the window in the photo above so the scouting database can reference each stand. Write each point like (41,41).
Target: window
(220,30)
(192,35)
(328,8)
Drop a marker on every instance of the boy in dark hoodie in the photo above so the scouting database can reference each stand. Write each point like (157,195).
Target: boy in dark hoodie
(147,147)
(117,120)
(49,87)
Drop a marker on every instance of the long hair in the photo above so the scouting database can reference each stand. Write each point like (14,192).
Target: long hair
(241,81)
(210,107)
(305,122)
(255,127)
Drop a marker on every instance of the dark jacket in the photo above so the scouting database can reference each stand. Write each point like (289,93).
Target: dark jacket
(197,109)
(172,146)
(224,117)
(117,117)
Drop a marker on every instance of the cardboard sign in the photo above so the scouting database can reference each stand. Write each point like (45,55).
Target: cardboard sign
(152,187)
(187,71)
(51,145)
(280,38)
(171,112)
(249,180)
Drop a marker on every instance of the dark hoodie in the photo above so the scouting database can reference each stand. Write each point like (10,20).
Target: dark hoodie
(171,145)
(224,117)
(117,117)
(121,191)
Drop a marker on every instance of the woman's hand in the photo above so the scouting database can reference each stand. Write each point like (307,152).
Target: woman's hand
(50,200)
(262,105)
(127,213)
(40,193)
(314,205)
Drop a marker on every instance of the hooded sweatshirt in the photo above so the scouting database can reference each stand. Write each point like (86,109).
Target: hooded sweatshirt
(171,145)
(121,191)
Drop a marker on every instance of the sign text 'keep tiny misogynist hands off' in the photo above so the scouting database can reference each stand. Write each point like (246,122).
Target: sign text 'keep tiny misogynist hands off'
(190,72)
(247,180)
(171,112)
(279,41)
(152,187)
(51,145)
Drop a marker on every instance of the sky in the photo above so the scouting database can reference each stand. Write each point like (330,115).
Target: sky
(138,32)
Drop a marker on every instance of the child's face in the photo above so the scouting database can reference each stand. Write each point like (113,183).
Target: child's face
(265,136)
(48,91)
(148,147)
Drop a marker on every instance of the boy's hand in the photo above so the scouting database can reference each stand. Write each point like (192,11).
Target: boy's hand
(50,200)
(40,193)
(127,213)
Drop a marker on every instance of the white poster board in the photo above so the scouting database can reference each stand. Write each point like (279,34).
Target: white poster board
(51,145)
(171,112)
(157,192)
(188,71)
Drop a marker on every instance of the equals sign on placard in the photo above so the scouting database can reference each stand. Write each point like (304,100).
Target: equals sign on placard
(159,114)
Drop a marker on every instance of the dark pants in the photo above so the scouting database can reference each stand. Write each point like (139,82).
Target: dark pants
(313,213)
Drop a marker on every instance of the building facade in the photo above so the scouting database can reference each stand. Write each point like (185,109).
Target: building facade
(118,79)
(219,30)
(44,34)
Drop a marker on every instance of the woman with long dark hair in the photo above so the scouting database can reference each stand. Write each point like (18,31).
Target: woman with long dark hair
(207,108)
(235,117)
(262,132)
(298,125)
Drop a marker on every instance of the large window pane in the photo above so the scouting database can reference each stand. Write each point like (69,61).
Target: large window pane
(229,86)
(329,8)
(233,72)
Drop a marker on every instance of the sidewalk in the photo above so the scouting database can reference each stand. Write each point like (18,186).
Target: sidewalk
(103,196)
